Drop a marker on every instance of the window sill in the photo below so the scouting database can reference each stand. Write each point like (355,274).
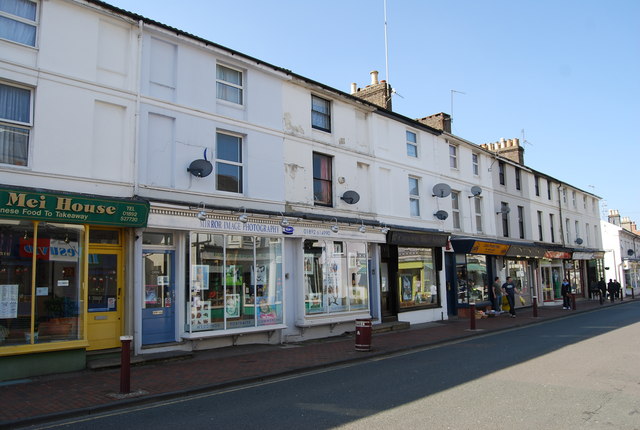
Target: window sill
(232,332)
(331,319)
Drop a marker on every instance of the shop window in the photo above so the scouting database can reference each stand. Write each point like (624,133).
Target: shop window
(158,239)
(417,278)
(55,295)
(471,275)
(519,270)
(335,277)
(235,282)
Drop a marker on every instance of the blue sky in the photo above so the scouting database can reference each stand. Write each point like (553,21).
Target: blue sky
(566,72)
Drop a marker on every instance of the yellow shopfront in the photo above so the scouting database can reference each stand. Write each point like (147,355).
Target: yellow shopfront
(61,278)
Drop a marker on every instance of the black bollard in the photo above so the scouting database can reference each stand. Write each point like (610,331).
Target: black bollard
(535,307)
(472,316)
(125,365)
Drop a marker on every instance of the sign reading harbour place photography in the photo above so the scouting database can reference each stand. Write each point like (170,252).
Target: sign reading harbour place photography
(44,206)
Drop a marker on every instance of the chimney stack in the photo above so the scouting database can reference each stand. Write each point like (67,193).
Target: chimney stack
(378,92)
(614,217)
(508,148)
(439,121)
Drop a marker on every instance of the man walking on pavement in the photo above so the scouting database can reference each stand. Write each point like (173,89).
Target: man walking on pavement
(510,291)
(611,287)
(602,286)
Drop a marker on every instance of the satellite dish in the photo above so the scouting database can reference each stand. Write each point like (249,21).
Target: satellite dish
(630,252)
(351,197)
(200,168)
(441,190)
(476,190)
(441,215)
(579,241)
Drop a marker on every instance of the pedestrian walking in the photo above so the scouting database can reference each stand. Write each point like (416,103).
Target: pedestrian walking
(509,289)
(602,286)
(611,288)
(565,290)
(497,294)
(618,289)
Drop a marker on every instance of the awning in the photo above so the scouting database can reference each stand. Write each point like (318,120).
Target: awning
(526,251)
(588,255)
(417,238)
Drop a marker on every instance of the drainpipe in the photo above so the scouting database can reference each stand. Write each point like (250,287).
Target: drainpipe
(560,188)
(136,143)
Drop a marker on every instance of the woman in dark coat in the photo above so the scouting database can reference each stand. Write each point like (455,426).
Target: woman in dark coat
(566,294)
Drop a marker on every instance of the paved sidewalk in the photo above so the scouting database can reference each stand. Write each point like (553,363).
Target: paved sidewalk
(72,394)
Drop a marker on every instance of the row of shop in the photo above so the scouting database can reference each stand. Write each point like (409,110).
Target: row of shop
(77,272)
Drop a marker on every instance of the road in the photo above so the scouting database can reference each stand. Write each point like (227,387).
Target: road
(578,372)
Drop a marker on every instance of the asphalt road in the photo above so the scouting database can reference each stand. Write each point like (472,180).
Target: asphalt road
(578,372)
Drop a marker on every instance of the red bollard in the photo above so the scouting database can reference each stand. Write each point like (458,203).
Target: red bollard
(125,365)
(535,307)
(573,302)
(472,316)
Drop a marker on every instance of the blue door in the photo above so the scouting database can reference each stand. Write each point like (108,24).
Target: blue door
(158,301)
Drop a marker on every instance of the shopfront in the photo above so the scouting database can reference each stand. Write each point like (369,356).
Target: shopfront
(585,270)
(470,273)
(521,264)
(220,280)
(552,272)
(52,245)
(411,276)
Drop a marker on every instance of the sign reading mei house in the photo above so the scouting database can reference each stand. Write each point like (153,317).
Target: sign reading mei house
(46,206)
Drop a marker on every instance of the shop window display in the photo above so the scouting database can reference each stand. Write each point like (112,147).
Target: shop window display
(235,282)
(519,272)
(336,277)
(47,310)
(417,279)
(473,283)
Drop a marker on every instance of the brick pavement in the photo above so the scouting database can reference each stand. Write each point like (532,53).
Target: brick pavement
(72,394)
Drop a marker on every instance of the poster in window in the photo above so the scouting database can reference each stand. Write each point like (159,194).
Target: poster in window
(234,275)
(232,305)
(151,294)
(201,314)
(199,277)
(405,285)
(308,264)
(9,301)
(266,312)
(261,274)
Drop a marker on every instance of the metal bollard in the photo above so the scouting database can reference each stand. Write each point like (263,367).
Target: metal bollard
(472,316)
(125,365)
(535,307)
(573,301)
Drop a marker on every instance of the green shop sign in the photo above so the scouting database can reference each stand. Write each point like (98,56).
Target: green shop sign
(45,206)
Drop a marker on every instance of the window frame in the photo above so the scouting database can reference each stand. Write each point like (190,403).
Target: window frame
(478,213)
(518,178)
(540,227)
(20,126)
(475,164)
(326,115)
(551,229)
(505,218)
(521,222)
(412,143)
(501,173)
(455,210)
(228,84)
(453,156)
(536,184)
(239,164)
(318,177)
(26,21)
(414,198)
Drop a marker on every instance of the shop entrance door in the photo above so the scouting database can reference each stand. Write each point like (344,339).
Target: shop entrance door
(104,300)
(158,301)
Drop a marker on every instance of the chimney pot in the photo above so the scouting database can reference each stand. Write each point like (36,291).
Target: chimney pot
(374,77)
(354,88)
